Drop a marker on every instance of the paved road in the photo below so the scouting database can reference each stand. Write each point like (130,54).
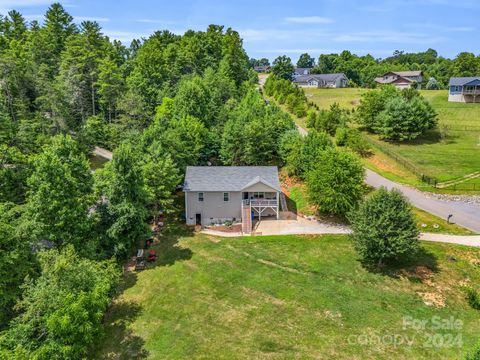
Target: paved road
(465,215)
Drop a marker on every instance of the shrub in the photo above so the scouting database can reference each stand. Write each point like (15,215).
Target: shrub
(396,115)
(357,143)
(341,136)
(404,119)
(432,84)
(299,110)
(62,310)
(335,183)
(473,297)
(290,150)
(313,145)
(384,227)
(475,355)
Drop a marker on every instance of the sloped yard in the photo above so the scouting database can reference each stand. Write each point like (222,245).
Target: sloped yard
(289,297)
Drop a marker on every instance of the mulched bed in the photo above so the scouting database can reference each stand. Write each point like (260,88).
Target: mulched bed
(224,228)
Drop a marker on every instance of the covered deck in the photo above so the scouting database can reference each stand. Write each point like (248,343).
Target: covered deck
(258,204)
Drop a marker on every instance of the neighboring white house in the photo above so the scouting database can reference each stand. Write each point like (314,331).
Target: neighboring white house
(215,194)
(464,89)
(401,79)
(322,80)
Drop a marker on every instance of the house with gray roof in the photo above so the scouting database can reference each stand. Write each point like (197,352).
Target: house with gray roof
(339,80)
(215,194)
(401,79)
(301,71)
(464,89)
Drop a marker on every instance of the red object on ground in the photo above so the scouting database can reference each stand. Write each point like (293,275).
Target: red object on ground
(152,256)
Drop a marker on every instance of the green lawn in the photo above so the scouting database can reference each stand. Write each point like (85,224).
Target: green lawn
(449,157)
(286,297)
(427,222)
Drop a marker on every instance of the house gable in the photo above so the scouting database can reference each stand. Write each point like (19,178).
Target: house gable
(259,184)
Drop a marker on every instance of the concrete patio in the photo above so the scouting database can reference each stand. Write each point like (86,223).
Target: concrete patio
(290,224)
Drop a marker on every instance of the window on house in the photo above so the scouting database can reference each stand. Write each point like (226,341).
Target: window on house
(258,195)
(200,196)
(226,196)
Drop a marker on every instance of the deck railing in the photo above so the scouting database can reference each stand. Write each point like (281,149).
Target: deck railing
(260,202)
(471,92)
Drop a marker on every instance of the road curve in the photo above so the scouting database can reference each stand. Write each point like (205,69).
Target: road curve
(464,214)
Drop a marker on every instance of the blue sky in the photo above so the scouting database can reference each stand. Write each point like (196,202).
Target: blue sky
(271,28)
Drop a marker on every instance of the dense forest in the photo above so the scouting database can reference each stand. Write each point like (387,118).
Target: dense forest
(362,70)
(160,104)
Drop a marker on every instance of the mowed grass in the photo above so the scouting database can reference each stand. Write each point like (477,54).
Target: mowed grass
(450,152)
(285,297)
(427,222)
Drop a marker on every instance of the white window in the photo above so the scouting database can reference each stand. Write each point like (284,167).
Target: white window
(200,196)
(226,196)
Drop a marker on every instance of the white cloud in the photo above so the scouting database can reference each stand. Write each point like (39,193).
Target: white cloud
(252,35)
(123,36)
(313,51)
(309,20)
(154,21)
(91,18)
(31,17)
(389,36)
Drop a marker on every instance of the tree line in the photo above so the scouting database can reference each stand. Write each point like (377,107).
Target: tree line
(362,70)
(160,104)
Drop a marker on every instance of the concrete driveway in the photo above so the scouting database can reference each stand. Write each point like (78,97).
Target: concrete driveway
(290,224)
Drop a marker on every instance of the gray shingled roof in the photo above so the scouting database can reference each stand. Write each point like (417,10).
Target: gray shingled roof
(229,178)
(459,81)
(321,77)
(301,71)
(408,73)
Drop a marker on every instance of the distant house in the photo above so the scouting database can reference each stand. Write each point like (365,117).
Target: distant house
(322,80)
(401,79)
(301,71)
(261,68)
(215,194)
(464,89)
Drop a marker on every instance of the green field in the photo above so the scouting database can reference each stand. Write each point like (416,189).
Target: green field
(286,297)
(450,152)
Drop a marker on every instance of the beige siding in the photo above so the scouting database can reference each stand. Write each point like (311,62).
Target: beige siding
(259,187)
(213,208)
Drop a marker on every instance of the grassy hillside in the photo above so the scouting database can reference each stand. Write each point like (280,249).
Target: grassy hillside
(288,297)
(448,153)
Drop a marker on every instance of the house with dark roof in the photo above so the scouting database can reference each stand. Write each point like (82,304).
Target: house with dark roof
(261,68)
(322,80)
(301,71)
(215,194)
(464,89)
(401,79)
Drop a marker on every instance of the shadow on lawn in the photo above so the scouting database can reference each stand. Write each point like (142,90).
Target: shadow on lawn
(416,268)
(167,247)
(431,137)
(119,341)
